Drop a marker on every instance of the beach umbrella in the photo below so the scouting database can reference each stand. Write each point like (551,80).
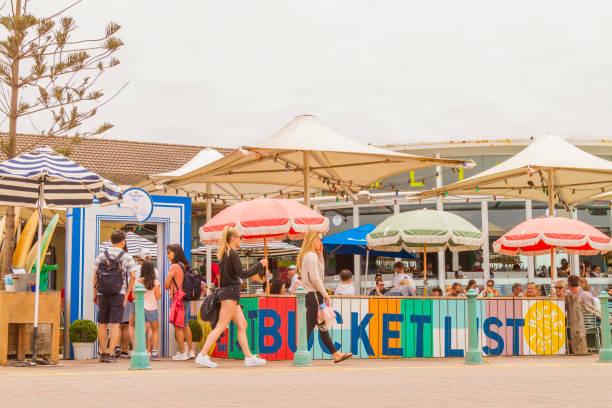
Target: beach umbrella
(550,169)
(354,242)
(229,192)
(44,178)
(305,154)
(545,235)
(265,219)
(134,244)
(423,230)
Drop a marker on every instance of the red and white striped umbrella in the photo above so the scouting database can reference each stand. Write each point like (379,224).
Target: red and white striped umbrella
(539,236)
(271,219)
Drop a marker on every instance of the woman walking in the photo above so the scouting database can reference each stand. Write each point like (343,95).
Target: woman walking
(174,283)
(229,295)
(310,262)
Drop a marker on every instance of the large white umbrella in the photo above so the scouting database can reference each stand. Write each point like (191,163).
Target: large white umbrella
(230,192)
(304,154)
(550,169)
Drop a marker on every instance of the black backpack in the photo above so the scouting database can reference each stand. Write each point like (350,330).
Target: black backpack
(209,311)
(110,275)
(192,284)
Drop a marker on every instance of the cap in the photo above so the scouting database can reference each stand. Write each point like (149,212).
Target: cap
(293,267)
(144,253)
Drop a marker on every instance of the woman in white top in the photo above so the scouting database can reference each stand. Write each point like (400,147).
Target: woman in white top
(312,268)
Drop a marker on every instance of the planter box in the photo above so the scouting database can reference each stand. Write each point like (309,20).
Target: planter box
(83,351)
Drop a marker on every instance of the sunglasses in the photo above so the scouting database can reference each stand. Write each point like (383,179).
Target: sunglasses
(559,287)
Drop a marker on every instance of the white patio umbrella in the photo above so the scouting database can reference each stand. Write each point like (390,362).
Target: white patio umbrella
(305,154)
(44,178)
(230,192)
(549,169)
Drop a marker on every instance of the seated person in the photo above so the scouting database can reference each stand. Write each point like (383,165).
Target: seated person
(457,290)
(346,288)
(564,270)
(277,287)
(404,288)
(379,290)
(490,289)
(436,292)
(398,268)
(517,290)
(559,290)
(531,290)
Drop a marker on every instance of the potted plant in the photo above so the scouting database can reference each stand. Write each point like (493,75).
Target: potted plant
(83,334)
(196,334)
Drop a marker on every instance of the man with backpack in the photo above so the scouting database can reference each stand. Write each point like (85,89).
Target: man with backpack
(114,278)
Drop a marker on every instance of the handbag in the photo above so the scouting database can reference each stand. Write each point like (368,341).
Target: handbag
(177,310)
(209,311)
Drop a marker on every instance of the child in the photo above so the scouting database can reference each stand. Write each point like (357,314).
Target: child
(346,288)
(153,293)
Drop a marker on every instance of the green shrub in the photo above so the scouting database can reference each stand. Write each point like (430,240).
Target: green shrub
(83,331)
(196,330)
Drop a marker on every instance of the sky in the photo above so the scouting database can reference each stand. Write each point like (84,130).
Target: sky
(230,73)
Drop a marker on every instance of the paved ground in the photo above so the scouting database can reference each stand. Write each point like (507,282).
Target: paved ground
(503,381)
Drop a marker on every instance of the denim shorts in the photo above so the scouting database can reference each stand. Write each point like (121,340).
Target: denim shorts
(151,316)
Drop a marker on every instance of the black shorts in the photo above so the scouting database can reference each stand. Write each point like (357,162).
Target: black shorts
(110,308)
(229,293)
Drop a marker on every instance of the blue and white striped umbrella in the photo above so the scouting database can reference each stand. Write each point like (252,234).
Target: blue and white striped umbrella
(61,182)
(134,243)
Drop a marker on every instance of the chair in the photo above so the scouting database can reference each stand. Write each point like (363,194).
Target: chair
(546,288)
(593,332)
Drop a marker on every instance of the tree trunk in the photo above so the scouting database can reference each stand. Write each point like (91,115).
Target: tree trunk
(576,324)
(9,226)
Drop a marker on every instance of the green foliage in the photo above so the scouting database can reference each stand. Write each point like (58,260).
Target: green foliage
(196,330)
(56,72)
(83,331)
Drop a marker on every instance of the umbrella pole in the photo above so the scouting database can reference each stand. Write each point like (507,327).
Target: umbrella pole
(551,213)
(552,266)
(425,270)
(266,257)
(366,273)
(37,290)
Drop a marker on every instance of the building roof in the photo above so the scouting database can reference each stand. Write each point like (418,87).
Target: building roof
(121,161)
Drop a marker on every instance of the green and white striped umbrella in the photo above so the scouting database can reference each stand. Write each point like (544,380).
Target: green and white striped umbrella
(425,230)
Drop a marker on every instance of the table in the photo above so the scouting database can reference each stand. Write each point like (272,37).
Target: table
(18,308)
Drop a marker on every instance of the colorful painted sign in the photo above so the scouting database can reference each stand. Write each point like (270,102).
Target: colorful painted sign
(404,327)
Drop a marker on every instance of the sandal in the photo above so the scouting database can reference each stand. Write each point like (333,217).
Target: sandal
(346,356)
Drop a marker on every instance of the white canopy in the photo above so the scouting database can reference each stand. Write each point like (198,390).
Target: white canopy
(307,153)
(224,191)
(549,162)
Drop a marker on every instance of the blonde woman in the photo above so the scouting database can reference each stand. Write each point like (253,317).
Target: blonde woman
(311,265)
(231,272)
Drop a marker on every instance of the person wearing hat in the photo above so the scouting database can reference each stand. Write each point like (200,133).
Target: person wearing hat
(294,281)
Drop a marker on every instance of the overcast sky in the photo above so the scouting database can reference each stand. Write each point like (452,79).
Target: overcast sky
(228,73)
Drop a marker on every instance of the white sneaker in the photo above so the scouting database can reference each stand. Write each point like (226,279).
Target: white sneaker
(254,361)
(204,361)
(191,354)
(180,356)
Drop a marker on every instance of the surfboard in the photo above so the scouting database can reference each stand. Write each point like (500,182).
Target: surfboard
(2,222)
(24,244)
(46,240)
